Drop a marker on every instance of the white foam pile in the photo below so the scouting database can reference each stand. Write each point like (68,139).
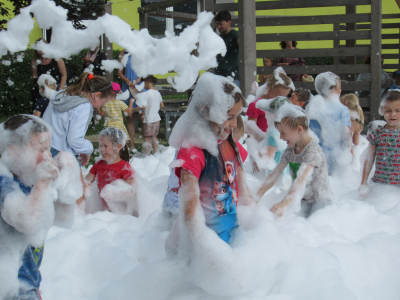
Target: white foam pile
(348,250)
(149,55)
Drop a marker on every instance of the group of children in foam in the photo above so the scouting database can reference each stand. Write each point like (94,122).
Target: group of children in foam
(288,170)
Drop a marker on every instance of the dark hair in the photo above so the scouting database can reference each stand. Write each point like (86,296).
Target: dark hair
(283,44)
(151,79)
(124,153)
(84,85)
(228,88)
(17,121)
(223,16)
(303,95)
(391,96)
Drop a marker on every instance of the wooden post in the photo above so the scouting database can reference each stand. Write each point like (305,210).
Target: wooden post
(208,5)
(350,60)
(247,45)
(108,46)
(336,45)
(143,20)
(376,49)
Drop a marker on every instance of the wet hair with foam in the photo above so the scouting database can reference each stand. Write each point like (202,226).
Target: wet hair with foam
(292,116)
(389,96)
(18,130)
(325,82)
(116,136)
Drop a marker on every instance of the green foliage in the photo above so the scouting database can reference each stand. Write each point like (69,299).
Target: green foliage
(16,83)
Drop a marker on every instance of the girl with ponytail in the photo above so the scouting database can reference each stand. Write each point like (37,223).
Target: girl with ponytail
(356,115)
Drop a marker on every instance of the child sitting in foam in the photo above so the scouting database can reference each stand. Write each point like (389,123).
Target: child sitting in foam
(256,126)
(114,175)
(383,145)
(271,149)
(310,189)
(47,88)
(212,181)
(27,172)
(330,121)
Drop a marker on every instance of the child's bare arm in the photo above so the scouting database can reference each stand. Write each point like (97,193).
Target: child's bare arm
(189,194)
(296,191)
(271,179)
(29,213)
(246,197)
(129,109)
(101,112)
(161,104)
(129,181)
(90,177)
(369,162)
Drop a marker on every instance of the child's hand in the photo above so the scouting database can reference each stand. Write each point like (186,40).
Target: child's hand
(279,209)
(84,159)
(363,190)
(87,189)
(46,170)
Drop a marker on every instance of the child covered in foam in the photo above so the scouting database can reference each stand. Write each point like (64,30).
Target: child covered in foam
(330,121)
(384,145)
(278,84)
(210,171)
(310,189)
(47,88)
(27,172)
(114,174)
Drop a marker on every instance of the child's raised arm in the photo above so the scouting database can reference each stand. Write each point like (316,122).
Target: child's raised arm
(271,179)
(129,109)
(296,191)
(367,167)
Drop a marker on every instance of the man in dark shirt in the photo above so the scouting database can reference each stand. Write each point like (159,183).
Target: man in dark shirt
(229,64)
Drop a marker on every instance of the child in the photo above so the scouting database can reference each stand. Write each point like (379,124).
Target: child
(330,121)
(278,84)
(151,102)
(47,88)
(356,115)
(272,148)
(396,78)
(70,111)
(310,188)
(384,145)
(26,204)
(301,97)
(212,181)
(268,62)
(111,167)
(114,110)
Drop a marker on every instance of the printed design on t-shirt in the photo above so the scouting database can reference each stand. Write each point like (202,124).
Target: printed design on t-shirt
(224,194)
(387,155)
(294,168)
(38,255)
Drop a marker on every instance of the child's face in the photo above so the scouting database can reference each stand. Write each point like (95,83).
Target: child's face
(40,147)
(277,91)
(267,62)
(295,100)
(338,89)
(108,151)
(290,136)
(391,112)
(227,127)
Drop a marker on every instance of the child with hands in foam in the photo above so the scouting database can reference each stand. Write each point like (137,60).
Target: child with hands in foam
(26,203)
(384,146)
(209,162)
(310,189)
(113,164)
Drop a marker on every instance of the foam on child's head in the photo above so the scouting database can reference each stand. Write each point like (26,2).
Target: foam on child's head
(324,82)
(123,96)
(211,100)
(277,79)
(272,105)
(389,96)
(292,116)
(46,80)
(19,129)
(115,136)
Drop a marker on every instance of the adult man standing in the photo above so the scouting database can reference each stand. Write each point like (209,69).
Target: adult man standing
(229,64)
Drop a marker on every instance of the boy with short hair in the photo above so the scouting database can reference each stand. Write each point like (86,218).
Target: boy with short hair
(306,162)
(26,203)
(396,78)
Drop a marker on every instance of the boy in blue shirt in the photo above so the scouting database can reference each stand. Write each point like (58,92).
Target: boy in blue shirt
(26,204)
(396,78)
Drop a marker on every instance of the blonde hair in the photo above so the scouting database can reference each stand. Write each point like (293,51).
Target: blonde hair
(293,123)
(272,82)
(353,103)
(238,132)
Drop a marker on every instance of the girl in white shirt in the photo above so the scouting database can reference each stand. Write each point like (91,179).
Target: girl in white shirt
(151,102)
